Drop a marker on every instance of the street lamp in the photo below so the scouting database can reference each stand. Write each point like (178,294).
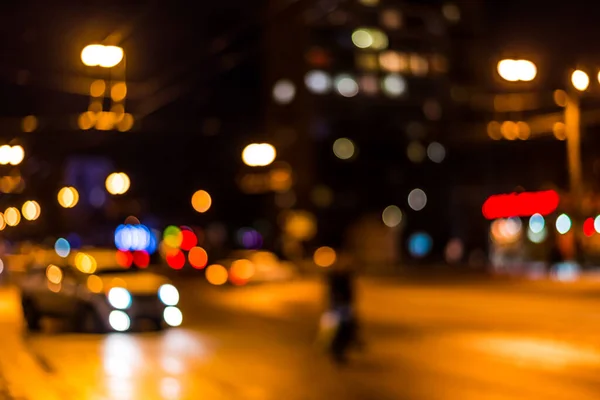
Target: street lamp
(580,80)
(259,154)
(98,55)
(517,70)
(68,197)
(117,183)
(523,70)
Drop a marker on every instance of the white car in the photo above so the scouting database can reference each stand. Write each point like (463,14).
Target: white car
(111,299)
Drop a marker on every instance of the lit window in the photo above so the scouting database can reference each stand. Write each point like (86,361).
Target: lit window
(436,152)
(417,199)
(284,91)
(394,85)
(419,65)
(391,19)
(362,38)
(370,38)
(439,64)
(380,40)
(369,84)
(393,61)
(451,12)
(318,82)
(416,152)
(344,148)
(367,62)
(346,86)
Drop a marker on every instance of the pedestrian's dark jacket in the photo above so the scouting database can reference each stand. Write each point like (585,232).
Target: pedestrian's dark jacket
(341,290)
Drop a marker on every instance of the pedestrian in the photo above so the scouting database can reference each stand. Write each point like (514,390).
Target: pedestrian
(340,282)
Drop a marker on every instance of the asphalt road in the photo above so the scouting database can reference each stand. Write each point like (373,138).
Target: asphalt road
(473,340)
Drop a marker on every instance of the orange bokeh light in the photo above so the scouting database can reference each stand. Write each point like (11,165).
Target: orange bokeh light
(198,257)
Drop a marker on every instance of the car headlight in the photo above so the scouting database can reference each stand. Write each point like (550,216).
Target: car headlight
(168,294)
(119,321)
(119,298)
(173,316)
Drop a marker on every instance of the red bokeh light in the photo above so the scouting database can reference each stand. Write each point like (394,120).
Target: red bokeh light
(189,239)
(124,258)
(141,259)
(176,259)
(588,227)
(520,204)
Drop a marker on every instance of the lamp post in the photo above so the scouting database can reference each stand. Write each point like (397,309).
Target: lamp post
(523,70)
(526,71)
(113,59)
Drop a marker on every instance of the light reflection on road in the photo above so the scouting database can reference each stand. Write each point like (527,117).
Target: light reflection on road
(143,366)
(123,366)
(537,352)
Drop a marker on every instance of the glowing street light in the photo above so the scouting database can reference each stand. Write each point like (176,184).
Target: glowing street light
(117,183)
(259,154)
(98,55)
(517,70)
(68,197)
(580,80)
(12,155)
(201,201)
(31,210)
(12,216)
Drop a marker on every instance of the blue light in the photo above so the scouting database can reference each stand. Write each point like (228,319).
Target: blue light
(135,238)
(74,240)
(419,244)
(62,247)
(153,245)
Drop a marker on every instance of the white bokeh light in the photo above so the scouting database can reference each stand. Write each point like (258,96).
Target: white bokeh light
(436,152)
(346,86)
(119,321)
(173,316)
(318,82)
(284,91)
(417,199)
(597,224)
(393,85)
(536,223)
(563,224)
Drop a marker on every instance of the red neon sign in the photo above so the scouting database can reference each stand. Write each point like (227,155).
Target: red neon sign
(520,204)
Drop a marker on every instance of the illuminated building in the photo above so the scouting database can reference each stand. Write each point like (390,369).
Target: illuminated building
(361,105)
